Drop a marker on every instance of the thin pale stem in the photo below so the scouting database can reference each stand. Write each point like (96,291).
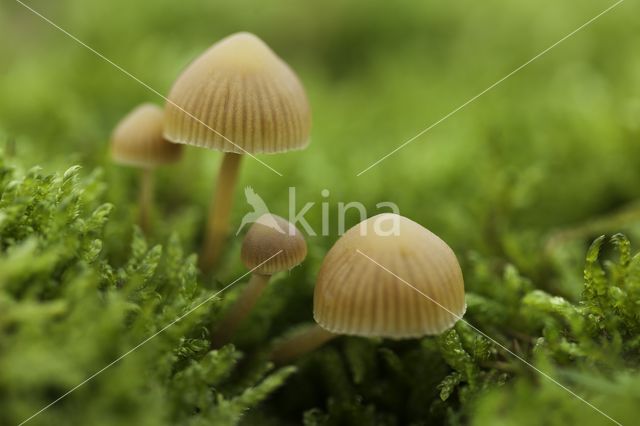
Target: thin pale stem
(220,210)
(146,200)
(240,310)
(305,341)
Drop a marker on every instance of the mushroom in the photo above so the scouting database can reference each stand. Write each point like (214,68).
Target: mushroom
(240,98)
(374,282)
(137,141)
(271,245)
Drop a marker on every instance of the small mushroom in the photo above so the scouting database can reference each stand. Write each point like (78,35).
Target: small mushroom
(240,98)
(137,141)
(377,282)
(271,245)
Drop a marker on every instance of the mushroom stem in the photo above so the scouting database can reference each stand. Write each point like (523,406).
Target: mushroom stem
(302,342)
(240,310)
(220,210)
(146,199)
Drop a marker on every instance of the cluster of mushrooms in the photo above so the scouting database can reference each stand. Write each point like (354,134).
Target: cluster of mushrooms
(240,98)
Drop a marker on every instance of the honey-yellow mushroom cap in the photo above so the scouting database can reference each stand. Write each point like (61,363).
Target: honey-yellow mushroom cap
(421,291)
(240,97)
(137,140)
(272,245)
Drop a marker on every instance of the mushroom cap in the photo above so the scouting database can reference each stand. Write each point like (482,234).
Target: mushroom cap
(269,235)
(241,89)
(355,296)
(137,140)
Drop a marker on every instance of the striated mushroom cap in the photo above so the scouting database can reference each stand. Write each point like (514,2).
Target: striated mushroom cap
(137,140)
(356,296)
(269,235)
(241,89)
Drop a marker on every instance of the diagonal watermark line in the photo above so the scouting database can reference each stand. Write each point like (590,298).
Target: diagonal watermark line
(145,85)
(473,99)
(130,351)
(459,318)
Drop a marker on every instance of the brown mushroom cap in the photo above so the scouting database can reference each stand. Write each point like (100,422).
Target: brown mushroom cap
(269,235)
(138,141)
(241,89)
(354,295)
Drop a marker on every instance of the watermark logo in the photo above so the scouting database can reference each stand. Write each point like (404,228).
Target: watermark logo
(260,209)
(385,225)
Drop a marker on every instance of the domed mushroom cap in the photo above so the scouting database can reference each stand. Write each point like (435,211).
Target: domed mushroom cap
(269,235)
(138,141)
(354,295)
(247,94)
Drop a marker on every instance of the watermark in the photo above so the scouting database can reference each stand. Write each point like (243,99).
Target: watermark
(381,224)
(260,212)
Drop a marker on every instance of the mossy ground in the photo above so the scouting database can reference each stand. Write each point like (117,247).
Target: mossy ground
(554,147)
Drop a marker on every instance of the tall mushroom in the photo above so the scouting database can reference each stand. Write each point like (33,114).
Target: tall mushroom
(240,98)
(271,245)
(376,282)
(137,141)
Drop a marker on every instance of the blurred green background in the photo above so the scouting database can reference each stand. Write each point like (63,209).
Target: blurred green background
(554,146)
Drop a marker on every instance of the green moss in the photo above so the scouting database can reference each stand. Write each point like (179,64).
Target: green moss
(66,312)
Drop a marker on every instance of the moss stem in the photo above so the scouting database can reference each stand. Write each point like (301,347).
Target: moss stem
(592,228)
(220,210)
(302,342)
(240,310)
(146,200)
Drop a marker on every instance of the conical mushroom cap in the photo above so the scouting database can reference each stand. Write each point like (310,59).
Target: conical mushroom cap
(269,235)
(356,296)
(138,141)
(241,89)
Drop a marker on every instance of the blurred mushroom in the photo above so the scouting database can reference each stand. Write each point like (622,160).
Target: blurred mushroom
(137,141)
(239,98)
(374,282)
(271,245)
